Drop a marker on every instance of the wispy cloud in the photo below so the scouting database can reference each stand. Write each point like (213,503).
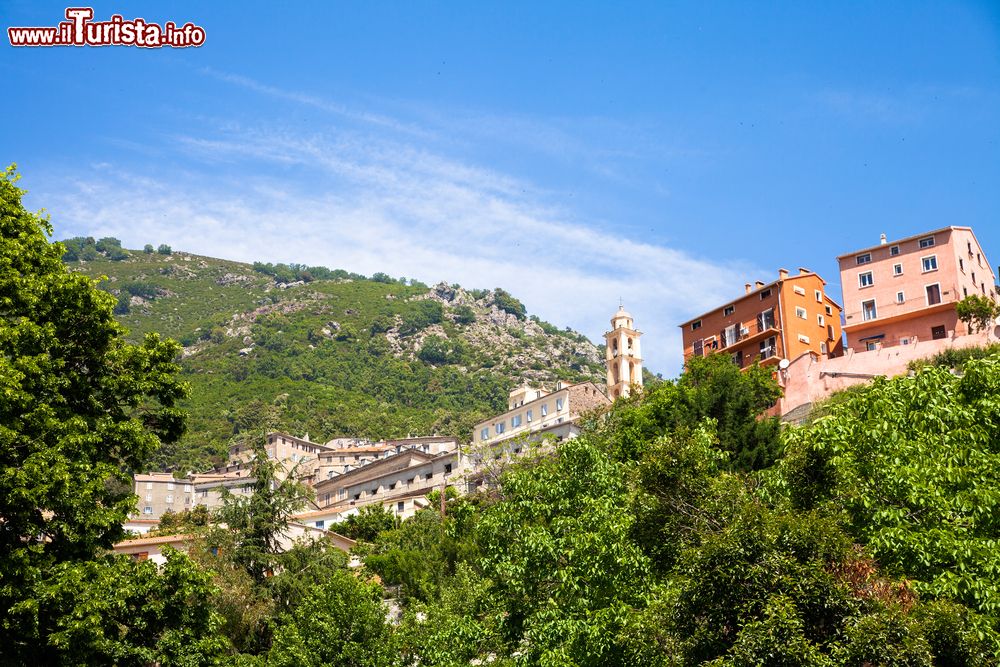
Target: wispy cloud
(343,199)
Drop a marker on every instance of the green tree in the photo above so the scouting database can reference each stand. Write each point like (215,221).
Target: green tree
(256,523)
(911,463)
(978,312)
(506,302)
(81,409)
(340,621)
(367,523)
(148,249)
(116,610)
(711,387)
(164,249)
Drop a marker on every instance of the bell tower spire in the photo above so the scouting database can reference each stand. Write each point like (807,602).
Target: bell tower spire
(624,357)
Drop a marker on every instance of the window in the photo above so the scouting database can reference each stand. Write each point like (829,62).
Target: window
(149,497)
(868,311)
(897,269)
(801,313)
(904,341)
(929,263)
(698,349)
(820,320)
(428,475)
(765,320)
(961,264)
(170,486)
(728,310)
(147,510)
(864,259)
(871,346)
(187,488)
(801,291)
(485,434)
(829,310)
(938,332)
(447,469)
(559,404)
(803,339)
(149,485)
(865,279)
(170,498)
(515,421)
(819,296)
(767,348)
(979,259)
(933,294)
(766,294)
(893,250)
(900,298)
(965,291)
(823,348)
(545,409)
(500,428)
(695,325)
(729,335)
(927,242)
(528,416)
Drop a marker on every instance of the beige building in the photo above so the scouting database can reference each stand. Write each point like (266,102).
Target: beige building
(340,461)
(395,482)
(531,411)
(160,492)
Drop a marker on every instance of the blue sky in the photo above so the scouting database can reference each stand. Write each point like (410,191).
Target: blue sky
(573,153)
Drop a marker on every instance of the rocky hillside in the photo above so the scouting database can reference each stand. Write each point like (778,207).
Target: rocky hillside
(330,353)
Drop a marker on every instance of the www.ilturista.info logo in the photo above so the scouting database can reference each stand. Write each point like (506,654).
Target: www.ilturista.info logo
(81,30)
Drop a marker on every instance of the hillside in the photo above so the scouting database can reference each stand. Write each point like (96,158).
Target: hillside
(273,346)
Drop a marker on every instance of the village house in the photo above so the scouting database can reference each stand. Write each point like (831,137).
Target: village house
(784,319)
(900,292)
(394,481)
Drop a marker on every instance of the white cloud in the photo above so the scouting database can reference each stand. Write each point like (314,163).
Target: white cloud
(366,203)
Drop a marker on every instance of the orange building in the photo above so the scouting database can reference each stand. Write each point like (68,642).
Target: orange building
(905,291)
(781,320)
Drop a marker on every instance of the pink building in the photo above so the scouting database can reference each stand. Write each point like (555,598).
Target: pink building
(905,291)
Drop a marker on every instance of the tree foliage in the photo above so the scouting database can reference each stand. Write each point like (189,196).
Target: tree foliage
(81,410)
(978,312)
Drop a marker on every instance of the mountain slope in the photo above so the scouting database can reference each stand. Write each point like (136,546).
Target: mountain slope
(343,355)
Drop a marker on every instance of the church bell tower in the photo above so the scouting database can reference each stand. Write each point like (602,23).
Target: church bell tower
(624,357)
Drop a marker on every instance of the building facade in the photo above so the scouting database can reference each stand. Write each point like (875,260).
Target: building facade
(534,410)
(395,482)
(901,292)
(784,319)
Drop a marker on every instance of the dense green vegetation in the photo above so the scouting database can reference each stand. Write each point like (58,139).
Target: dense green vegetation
(675,530)
(328,352)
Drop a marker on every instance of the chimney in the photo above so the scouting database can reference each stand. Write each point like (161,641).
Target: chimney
(782,274)
(758,284)
(803,271)
(882,240)
(747,288)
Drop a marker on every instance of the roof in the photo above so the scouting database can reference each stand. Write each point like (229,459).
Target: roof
(358,475)
(149,541)
(903,240)
(754,291)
